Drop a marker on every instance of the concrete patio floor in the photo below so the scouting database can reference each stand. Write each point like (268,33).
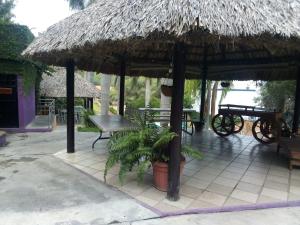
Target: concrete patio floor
(236,173)
(37,188)
(40,188)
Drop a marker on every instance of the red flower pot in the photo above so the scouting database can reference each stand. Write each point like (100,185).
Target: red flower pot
(160,174)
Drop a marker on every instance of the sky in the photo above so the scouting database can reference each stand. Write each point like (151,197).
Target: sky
(38,15)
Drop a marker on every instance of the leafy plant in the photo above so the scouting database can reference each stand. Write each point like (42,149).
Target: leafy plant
(14,39)
(139,148)
(86,120)
(87,129)
(277,95)
(113,110)
(140,102)
(6,7)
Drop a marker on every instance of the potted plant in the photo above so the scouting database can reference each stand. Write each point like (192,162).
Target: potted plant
(143,147)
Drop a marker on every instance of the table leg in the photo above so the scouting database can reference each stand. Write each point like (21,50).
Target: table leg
(99,138)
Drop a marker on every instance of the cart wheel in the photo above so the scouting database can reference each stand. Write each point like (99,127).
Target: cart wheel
(222,125)
(262,131)
(238,123)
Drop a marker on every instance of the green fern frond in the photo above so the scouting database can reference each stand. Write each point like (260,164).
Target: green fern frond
(191,152)
(164,140)
(138,148)
(142,168)
(124,168)
(111,161)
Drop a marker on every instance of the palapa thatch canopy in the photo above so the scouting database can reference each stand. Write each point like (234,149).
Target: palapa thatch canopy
(238,35)
(54,86)
(223,39)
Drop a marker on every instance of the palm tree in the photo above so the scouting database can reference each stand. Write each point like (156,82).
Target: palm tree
(147,92)
(165,101)
(214,98)
(80,4)
(105,91)
(208,104)
(6,7)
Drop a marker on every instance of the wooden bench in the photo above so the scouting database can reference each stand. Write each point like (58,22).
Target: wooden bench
(293,147)
(163,115)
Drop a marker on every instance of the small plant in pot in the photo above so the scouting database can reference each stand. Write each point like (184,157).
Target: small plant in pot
(139,149)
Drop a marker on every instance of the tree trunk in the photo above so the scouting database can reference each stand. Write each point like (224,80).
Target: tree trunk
(118,91)
(90,76)
(147,92)
(165,101)
(105,90)
(207,103)
(214,98)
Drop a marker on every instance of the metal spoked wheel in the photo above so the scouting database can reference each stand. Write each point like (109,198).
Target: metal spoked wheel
(263,131)
(223,125)
(238,123)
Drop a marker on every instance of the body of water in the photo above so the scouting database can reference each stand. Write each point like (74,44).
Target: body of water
(242,93)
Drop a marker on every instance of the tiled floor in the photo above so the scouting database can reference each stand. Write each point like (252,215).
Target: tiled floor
(235,171)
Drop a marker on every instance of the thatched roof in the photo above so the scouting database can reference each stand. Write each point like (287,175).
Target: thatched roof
(54,86)
(144,31)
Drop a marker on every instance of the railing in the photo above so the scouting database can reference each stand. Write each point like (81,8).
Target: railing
(78,115)
(46,107)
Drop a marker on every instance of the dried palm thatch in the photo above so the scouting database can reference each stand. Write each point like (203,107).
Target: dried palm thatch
(144,32)
(54,86)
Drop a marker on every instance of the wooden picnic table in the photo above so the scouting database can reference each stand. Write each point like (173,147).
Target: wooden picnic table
(111,124)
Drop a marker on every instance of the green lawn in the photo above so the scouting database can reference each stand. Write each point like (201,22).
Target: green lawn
(87,129)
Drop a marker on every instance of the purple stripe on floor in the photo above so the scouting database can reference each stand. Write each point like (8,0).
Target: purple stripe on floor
(26,130)
(155,210)
(232,208)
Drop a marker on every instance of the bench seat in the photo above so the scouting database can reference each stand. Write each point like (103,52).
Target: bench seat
(292,145)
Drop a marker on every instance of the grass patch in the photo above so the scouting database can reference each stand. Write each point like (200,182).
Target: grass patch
(87,129)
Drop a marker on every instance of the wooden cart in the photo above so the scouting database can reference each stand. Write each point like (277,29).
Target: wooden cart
(266,129)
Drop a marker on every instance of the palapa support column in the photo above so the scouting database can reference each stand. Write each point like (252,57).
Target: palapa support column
(203,86)
(175,121)
(70,107)
(296,118)
(91,104)
(122,87)
(85,103)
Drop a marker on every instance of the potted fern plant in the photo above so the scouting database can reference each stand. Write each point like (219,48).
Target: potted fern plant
(143,147)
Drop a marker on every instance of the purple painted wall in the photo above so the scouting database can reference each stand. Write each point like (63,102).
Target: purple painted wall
(26,104)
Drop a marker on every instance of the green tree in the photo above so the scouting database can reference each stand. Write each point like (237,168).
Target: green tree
(6,7)
(80,4)
(279,95)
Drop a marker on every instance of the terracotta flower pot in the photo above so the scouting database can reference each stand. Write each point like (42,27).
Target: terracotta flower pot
(160,174)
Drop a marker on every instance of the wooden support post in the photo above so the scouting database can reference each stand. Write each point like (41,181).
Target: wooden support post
(122,87)
(203,86)
(70,107)
(92,104)
(175,121)
(85,103)
(297,104)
